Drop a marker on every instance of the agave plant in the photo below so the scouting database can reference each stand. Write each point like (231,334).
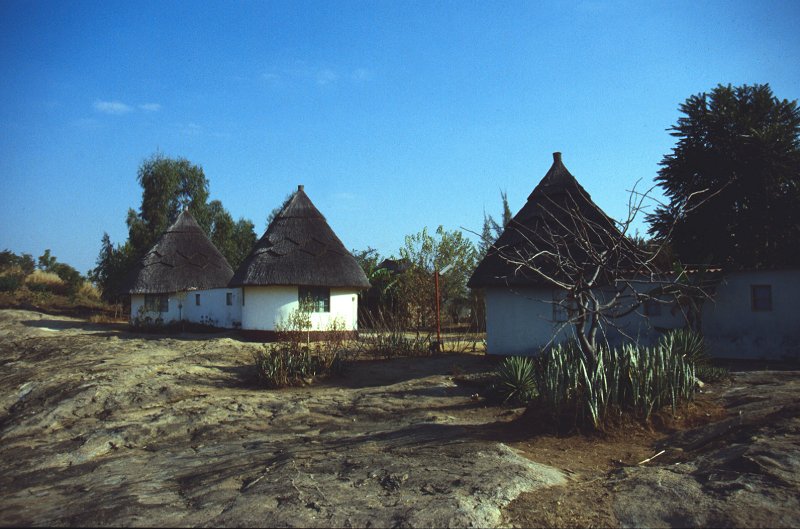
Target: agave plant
(515,380)
(686,343)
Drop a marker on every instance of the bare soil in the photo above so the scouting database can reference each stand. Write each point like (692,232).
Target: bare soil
(100,426)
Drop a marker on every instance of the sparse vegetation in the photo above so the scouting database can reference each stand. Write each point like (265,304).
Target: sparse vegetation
(53,287)
(387,338)
(628,380)
(294,359)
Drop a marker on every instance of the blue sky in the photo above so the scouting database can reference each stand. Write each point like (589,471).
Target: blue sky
(394,115)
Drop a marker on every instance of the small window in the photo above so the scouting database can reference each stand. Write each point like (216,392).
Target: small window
(652,308)
(229,298)
(156,303)
(761,298)
(317,298)
(242,297)
(197,299)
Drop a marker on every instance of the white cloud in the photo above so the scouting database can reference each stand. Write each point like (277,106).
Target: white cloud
(271,77)
(112,107)
(150,107)
(326,76)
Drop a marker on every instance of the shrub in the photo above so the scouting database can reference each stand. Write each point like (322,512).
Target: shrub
(88,291)
(40,281)
(281,365)
(388,338)
(10,283)
(687,343)
(691,345)
(294,359)
(515,380)
(629,379)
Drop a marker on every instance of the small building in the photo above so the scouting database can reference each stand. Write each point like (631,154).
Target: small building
(523,313)
(751,313)
(299,258)
(754,315)
(184,278)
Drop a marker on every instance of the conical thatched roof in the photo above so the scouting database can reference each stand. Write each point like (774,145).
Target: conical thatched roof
(549,215)
(182,259)
(299,248)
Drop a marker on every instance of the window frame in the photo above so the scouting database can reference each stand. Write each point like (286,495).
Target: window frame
(156,303)
(756,302)
(197,300)
(229,299)
(320,298)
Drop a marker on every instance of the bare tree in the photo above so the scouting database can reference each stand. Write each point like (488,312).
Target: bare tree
(563,240)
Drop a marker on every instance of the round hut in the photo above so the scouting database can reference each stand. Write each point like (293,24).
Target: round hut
(299,259)
(184,278)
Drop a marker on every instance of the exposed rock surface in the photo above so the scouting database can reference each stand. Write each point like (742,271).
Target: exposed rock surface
(743,471)
(99,426)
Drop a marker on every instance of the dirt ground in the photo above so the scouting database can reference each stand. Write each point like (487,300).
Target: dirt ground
(100,426)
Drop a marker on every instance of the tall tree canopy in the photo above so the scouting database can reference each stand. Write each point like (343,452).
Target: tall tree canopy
(169,185)
(733,180)
(428,253)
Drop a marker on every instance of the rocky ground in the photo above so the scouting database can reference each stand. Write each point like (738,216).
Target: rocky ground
(99,426)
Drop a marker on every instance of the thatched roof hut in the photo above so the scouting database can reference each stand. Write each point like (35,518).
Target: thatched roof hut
(546,222)
(183,259)
(299,248)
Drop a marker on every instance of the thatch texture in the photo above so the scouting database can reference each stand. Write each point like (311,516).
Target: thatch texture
(299,248)
(557,210)
(182,259)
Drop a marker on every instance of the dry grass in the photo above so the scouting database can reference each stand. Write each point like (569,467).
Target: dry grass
(89,292)
(38,277)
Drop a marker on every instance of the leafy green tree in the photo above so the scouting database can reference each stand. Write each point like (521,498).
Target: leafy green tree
(233,239)
(733,180)
(168,185)
(380,295)
(24,262)
(47,261)
(427,254)
(114,263)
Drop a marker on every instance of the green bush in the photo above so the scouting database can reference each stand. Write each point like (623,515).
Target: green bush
(281,365)
(687,343)
(10,283)
(629,379)
(295,359)
(515,380)
(691,345)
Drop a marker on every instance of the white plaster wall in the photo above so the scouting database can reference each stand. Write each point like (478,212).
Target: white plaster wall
(266,308)
(518,321)
(137,301)
(212,310)
(733,330)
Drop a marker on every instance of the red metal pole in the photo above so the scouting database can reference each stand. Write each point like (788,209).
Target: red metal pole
(438,321)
